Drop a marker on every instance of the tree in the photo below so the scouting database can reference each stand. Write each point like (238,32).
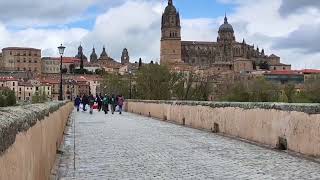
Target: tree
(191,87)
(116,84)
(39,97)
(7,98)
(72,68)
(257,90)
(312,89)
(11,98)
(153,82)
(264,65)
(140,62)
(3,102)
(64,70)
(238,93)
(289,91)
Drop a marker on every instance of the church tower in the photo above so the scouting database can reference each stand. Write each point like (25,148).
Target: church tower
(125,59)
(170,51)
(93,56)
(225,40)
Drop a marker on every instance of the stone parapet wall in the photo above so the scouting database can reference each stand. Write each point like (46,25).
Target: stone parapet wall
(29,138)
(297,126)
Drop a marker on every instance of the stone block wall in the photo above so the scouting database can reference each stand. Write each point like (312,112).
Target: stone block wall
(29,138)
(295,126)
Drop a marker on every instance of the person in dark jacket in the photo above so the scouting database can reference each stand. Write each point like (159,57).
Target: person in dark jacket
(105,104)
(99,101)
(85,101)
(113,103)
(77,102)
(91,103)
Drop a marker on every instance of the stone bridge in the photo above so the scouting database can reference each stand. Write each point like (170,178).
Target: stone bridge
(133,146)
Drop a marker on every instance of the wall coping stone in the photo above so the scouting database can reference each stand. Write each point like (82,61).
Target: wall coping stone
(309,108)
(16,119)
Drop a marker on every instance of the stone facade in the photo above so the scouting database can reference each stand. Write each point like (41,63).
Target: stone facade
(51,65)
(226,53)
(21,59)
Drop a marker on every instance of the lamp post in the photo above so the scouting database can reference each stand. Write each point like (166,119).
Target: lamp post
(130,92)
(61,51)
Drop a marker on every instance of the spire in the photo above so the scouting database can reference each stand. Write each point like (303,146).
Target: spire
(243,41)
(225,19)
(170,3)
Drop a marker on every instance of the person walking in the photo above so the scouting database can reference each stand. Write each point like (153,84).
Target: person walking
(91,103)
(77,103)
(105,104)
(113,103)
(120,103)
(85,101)
(99,101)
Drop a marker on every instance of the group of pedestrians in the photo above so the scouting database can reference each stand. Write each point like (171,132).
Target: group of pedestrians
(103,103)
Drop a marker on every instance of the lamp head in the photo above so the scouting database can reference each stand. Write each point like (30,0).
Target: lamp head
(61,49)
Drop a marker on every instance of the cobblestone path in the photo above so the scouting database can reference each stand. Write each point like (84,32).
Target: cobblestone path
(133,147)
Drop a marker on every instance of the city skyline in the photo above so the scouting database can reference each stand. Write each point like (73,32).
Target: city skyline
(282,27)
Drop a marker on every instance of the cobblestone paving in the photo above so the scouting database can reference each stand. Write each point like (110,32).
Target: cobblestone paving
(133,147)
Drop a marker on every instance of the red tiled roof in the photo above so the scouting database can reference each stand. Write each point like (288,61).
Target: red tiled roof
(8,78)
(50,81)
(284,72)
(21,48)
(311,71)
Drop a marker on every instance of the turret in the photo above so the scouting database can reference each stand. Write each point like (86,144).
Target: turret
(125,56)
(93,56)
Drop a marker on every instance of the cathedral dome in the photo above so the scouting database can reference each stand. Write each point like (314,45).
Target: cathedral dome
(226,27)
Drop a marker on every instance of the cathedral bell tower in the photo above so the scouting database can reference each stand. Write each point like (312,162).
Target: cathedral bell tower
(225,40)
(170,51)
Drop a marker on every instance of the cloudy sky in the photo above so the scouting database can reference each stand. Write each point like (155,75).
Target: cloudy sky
(288,28)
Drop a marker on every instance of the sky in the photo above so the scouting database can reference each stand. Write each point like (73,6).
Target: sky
(287,28)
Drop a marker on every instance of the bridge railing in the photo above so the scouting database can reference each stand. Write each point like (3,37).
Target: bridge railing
(29,138)
(285,126)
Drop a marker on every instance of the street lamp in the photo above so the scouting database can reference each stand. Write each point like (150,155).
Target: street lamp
(130,73)
(61,51)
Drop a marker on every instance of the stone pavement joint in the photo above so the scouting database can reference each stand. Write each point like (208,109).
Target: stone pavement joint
(129,146)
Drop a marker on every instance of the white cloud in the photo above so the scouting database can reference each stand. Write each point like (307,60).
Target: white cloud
(135,24)
(46,39)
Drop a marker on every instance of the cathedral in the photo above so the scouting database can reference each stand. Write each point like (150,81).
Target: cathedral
(224,55)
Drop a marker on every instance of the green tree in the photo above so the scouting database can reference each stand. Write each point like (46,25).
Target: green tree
(116,84)
(11,98)
(193,87)
(289,91)
(257,90)
(7,98)
(154,82)
(238,92)
(3,101)
(39,97)
(312,89)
